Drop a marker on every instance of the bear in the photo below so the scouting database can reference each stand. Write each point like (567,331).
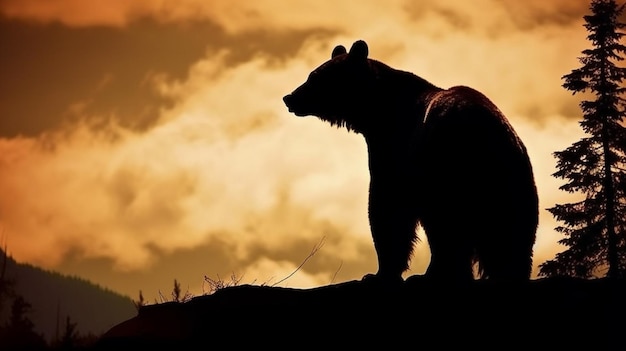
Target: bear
(447,160)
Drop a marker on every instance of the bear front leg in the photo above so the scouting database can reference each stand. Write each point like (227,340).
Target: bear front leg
(392,223)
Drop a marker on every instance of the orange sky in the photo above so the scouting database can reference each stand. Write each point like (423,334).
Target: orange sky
(146,141)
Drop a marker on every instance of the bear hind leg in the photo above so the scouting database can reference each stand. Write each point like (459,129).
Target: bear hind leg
(505,256)
(451,254)
(505,266)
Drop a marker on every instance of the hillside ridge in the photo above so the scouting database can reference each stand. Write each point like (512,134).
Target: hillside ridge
(549,311)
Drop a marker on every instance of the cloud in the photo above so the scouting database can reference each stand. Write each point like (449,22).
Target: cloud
(206,170)
(538,13)
(224,169)
(247,15)
(270,14)
(107,73)
(53,74)
(76,12)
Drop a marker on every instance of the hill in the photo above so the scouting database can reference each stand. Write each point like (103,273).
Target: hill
(543,313)
(54,296)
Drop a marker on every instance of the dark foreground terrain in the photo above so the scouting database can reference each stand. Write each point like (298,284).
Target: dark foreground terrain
(540,314)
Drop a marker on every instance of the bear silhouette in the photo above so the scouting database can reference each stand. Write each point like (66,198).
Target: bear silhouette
(445,159)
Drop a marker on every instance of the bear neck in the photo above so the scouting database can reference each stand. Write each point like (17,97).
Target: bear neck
(402,103)
(391,140)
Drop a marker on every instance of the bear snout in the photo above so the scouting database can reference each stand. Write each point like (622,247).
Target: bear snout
(287,99)
(290,102)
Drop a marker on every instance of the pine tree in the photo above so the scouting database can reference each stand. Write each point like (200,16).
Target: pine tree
(595,228)
(19,332)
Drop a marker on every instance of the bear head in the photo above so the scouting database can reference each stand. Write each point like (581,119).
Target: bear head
(342,91)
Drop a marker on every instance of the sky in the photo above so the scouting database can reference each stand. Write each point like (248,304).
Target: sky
(146,141)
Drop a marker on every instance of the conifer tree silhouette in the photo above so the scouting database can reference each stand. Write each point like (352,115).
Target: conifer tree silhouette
(595,228)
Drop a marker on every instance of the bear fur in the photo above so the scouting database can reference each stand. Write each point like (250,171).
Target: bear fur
(445,159)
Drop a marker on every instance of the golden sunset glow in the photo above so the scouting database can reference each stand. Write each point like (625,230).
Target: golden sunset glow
(147,141)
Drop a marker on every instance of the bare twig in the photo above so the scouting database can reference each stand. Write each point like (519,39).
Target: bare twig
(187,296)
(315,249)
(219,283)
(162,297)
(176,291)
(337,271)
(141,302)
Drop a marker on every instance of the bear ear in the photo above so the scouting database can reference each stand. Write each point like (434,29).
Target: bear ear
(359,50)
(338,50)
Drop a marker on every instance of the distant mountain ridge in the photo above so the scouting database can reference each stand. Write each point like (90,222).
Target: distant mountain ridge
(54,296)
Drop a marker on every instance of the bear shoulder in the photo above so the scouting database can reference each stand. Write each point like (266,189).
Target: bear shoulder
(466,96)
(458,100)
